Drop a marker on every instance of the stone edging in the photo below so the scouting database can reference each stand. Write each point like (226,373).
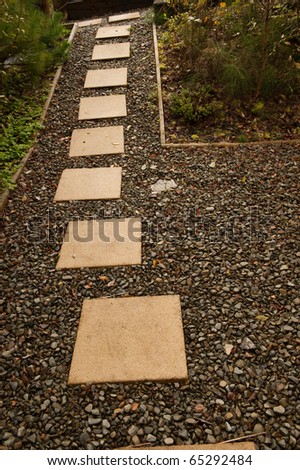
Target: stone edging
(5,195)
(199,144)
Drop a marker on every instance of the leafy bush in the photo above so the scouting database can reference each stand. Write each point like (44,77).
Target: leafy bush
(195,105)
(187,36)
(236,80)
(17,136)
(251,48)
(31,44)
(30,41)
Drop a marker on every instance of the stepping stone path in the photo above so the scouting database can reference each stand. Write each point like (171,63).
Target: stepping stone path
(97,243)
(100,107)
(97,141)
(103,78)
(113,32)
(128,340)
(111,51)
(89,183)
(125,339)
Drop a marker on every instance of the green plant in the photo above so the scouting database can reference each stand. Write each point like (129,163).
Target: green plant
(17,133)
(186,36)
(152,98)
(236,80)
(29,40)
(258,108)
(160,17)
(250,48)
(194,105)
(182,105)
(242,138)
(31,44)
(178,6)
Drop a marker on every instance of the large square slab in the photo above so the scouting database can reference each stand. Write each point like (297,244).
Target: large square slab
(97,141)
(97,243)
(124,17)
(89,183)
(106,78)
(101,107)
(133,339)
(120,50)
(107,32)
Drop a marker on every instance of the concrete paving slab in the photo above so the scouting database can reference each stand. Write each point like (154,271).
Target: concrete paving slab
(101,107)
(97,141)
(96,243)
(107,32)
(89,184)
(247,445)
(120,50)
(124,17)
(106,78)
(95,21)
(131,339)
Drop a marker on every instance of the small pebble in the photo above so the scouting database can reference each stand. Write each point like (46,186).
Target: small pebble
(280,410)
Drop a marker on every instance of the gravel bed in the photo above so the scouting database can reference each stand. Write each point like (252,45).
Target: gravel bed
(226,240)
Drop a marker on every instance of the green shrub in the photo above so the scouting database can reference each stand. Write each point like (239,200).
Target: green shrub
(242,139)
(236,81)
(187,37)
(182,105)
(251,49)
(31,44)
(29,39)
(18,132)
(258,108)
(195,105)
(159,17)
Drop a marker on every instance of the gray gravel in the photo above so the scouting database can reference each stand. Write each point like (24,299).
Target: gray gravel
(226,239)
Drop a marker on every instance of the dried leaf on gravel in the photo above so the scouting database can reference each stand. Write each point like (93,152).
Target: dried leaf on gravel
(261,318)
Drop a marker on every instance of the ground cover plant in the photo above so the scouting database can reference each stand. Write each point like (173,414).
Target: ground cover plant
(31,45)
(230,71)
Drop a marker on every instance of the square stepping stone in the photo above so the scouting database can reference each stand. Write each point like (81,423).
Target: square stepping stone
(106,78)
(131,339)
(100,107)
(124,17)
(97,141)
(97,243)
(113,32)
(82,24)
(119,50)
(89,183)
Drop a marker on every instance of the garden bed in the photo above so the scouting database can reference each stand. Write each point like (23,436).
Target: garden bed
(207,101)
(32,46)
